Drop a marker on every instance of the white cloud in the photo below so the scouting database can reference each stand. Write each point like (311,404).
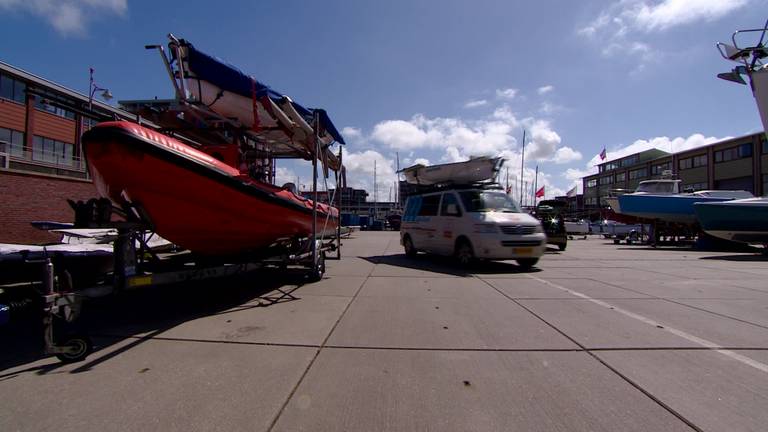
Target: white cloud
(68,17)
(624,21)
(508,93)
(565,155)
(421,161)
(672,13)
(360,173)
(476,103)
(352,133)
(545,89)
(284,175)
(543,141)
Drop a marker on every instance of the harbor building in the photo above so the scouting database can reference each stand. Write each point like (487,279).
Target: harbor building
(733,164)
(41,160)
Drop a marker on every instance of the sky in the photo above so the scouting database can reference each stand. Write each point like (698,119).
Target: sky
(430,81)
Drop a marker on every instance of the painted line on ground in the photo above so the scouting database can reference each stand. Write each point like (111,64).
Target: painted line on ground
(695,339)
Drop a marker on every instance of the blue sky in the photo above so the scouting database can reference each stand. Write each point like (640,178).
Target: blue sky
(432,81)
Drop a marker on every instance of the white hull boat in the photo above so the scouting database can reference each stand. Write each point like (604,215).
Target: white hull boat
(480,169)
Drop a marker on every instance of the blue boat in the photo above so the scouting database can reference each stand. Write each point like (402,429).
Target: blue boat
(676,208)
(744,220)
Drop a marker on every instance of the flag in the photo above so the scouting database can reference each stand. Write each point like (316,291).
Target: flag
(540,192)
(571,193)
(509,190)
(602,154)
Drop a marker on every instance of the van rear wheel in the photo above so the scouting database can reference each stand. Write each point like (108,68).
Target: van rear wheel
(410,250)
(464,253)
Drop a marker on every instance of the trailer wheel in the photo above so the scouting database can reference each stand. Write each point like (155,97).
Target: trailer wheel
(79,347)
(318,270)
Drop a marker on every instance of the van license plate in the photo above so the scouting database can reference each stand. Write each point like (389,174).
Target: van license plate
(523,250)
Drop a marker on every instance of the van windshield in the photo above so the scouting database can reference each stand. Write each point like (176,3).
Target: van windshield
(484,201)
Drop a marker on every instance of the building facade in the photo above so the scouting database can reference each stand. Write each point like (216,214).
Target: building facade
(734,164)
(41,161)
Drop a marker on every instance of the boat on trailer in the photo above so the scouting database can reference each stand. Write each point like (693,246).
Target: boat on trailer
(205,182)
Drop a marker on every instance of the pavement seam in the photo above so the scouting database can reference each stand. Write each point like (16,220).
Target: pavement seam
(319,349)
(670,300)
(594,356)
(692,338)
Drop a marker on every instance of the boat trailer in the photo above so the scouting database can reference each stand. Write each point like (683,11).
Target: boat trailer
(137,266)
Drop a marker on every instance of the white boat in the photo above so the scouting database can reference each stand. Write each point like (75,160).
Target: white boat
(752,60)
(479,169)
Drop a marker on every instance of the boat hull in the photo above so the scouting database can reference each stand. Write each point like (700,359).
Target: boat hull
(471,171)
(760,85)
(739,220)
(190,198)
(668,208)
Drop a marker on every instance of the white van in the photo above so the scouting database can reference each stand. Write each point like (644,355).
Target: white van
(471,223)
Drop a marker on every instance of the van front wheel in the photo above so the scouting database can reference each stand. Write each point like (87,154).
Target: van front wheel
(464,253)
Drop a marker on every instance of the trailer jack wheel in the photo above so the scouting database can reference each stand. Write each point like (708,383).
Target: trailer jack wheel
(77,347)
(318,269)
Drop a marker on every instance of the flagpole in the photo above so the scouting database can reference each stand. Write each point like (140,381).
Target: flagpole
(536,185)
(522,165)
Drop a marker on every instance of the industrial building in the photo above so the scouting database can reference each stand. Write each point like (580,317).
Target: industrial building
(733,164)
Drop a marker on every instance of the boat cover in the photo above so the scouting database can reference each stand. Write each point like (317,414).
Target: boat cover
(232,79)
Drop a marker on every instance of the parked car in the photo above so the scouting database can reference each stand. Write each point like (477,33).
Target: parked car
(471,223)
(550,213)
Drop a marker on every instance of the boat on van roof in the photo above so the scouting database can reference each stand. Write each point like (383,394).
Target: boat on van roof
(478,169)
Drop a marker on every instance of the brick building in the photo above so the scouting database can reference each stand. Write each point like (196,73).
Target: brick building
(41,163)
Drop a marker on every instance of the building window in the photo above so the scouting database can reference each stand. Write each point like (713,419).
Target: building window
(12,89)
(43,105)
(733,153)
(620,177)
(15,140)
(700,161)
(638,173)
(659,169)
(606,180)
(591,183)
(765,145)
(765,181)
(590,201)
(51,151)
(631,160)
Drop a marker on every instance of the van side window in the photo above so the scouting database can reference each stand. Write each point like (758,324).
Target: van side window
(448,199)
(429,205)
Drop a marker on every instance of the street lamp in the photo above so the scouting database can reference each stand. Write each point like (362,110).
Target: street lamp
(93,88)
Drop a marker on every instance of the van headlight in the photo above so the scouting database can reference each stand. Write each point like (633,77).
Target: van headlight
(486,228)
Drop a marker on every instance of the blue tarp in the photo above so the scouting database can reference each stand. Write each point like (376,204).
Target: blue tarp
(232,79)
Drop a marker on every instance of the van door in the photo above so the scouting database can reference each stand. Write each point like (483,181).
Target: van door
(447,223)
(425,230)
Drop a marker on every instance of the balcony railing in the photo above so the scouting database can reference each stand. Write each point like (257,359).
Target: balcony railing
(40,161)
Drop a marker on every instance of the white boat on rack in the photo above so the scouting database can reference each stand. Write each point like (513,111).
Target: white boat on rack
(479,169)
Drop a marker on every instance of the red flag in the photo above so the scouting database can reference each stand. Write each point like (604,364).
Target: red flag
(540,193)
(603,154)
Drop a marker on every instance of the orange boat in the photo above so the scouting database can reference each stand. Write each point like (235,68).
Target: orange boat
(191,198)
